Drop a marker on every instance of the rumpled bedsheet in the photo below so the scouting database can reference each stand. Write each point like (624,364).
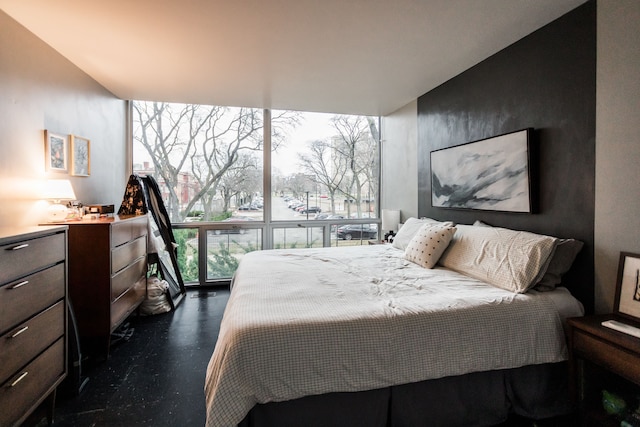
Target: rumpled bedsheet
(312,321)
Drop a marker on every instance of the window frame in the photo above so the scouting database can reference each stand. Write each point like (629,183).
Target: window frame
(267,224)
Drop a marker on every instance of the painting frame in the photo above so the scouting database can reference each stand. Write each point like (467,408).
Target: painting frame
(56,149)
(80,156)
(491,174)
(627,299)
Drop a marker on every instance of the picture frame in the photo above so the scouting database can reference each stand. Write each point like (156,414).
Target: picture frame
(492,174)
(55,152)
(627,299)
(80,156)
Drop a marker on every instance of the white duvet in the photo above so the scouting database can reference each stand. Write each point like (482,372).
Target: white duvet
(312,321)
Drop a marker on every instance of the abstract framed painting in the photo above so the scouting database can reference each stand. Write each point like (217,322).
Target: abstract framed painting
(492,174)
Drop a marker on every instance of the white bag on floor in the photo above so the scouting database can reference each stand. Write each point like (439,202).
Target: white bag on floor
(157,300)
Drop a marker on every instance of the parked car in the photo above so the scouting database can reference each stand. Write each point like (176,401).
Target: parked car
(236,229)
(327,216)
(335,217)
(310,209)
(357,231)
(362,215)
(249,207)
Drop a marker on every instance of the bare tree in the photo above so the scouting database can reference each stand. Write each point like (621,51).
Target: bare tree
(326,168)
(240,180)
(299,184)
(202,141)
(356,144)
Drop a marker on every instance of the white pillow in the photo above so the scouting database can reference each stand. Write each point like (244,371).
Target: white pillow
(558,263)
(504,258)
(428,244)
(410,228)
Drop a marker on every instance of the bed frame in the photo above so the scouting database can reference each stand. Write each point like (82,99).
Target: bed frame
(477,399)
(486,398)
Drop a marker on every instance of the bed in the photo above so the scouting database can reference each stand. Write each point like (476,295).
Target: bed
(373,335)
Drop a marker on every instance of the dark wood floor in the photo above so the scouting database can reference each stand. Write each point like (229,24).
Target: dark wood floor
(156,377)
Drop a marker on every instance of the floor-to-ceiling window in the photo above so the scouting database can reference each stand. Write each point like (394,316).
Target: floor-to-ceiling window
(324,171)
(235,180)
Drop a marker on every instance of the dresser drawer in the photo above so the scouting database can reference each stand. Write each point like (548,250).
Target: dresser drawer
(22,298)
(20,259)
(122,255)
(127,230)
(27,340)
(128,302)
(31,384)
(127,277)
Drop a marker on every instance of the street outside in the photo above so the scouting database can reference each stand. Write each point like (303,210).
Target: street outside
(311,236)
(237,241)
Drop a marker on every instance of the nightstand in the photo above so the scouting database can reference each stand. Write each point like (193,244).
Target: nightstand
(602,359)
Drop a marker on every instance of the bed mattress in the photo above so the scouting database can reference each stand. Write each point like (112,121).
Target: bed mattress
(313,321)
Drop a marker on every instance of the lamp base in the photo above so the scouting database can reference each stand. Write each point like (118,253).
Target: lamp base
(56,212)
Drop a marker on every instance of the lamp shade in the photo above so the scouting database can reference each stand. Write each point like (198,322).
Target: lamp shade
(59,189)
(390,219)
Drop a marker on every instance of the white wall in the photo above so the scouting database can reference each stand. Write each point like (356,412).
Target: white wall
(399,174)
(617,215)
(40,89)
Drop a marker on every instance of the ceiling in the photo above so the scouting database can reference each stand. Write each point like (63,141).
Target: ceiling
(339,56)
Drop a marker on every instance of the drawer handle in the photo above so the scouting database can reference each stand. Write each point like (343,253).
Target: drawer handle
(20,331)
(19,285)
(20,378)
(22,246)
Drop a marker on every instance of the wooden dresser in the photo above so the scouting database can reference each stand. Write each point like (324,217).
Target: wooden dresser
(33,319)
(107,276)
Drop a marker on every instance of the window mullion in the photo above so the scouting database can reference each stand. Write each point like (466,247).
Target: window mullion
(267,234)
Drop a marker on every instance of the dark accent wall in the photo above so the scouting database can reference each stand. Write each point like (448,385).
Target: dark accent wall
(546,81)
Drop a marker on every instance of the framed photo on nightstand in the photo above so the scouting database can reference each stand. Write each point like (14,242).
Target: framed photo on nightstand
(627,302)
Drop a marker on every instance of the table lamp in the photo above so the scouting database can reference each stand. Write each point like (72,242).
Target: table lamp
(390,221)
(58,190)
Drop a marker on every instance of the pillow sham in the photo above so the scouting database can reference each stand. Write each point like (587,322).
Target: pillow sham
(559,262)
(410,228)
(428,244)
(504,258)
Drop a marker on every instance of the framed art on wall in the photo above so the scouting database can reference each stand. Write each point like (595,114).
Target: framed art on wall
(492,174)
(55,152)
(627,301)
(80,156)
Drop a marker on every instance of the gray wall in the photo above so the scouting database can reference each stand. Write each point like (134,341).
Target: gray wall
(40,89)
(617,216)
(617,144)
(545,81)
(399,187)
